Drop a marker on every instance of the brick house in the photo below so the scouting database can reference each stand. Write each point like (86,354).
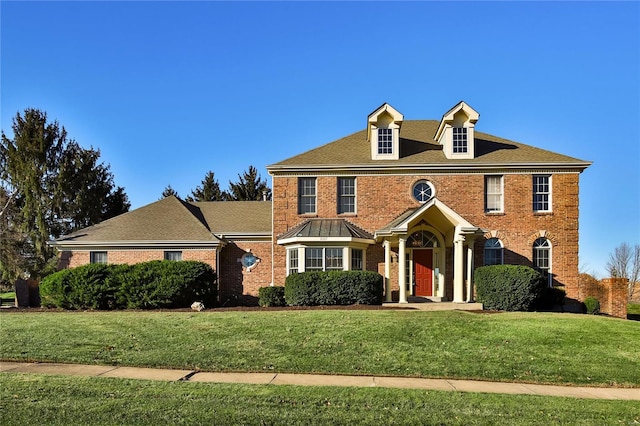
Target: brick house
(423,202)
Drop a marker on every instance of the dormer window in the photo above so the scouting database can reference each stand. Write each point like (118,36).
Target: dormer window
(383,133)
(385,141)
(460,145)
(456,132)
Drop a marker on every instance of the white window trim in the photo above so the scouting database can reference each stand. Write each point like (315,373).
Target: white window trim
(550,193)
(486,194)
(355,196)
(315,196)
(484,252)
(93,253)
(346,256)
(549,269)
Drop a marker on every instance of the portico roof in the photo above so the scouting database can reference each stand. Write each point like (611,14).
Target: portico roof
(443,216)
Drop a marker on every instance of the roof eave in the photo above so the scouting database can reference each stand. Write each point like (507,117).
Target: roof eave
(578,165)
(135,244)
(318,240)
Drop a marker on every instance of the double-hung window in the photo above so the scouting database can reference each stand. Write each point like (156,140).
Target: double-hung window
(356,260)
(323,259)
(346,195)
(98,257)
(173,255)
(493,194)
(333,259)
(313,259)
(493,252)
(385,141)
(306,195)
(460,143)
(541,193)
(542,258)
(293,261)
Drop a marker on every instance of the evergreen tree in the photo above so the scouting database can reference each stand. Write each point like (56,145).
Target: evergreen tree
(250,187)
(51,186)
(168,192)
(209,191)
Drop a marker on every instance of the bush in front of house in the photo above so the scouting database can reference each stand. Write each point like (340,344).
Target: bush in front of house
(508,287)
(85,287)
(148,285)
(168,284)
(592,305)
(334,288)
(271,296)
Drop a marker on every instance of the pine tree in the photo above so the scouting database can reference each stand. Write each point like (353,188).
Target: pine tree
(51,186)
(250,187)
(168,192)
(209,191)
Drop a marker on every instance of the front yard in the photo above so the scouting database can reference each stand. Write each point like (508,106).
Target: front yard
(527,347)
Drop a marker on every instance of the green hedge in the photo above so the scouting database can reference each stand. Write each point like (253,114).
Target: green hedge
(148,285)
(508,287)
(592,305)
(271,296)
(334,288)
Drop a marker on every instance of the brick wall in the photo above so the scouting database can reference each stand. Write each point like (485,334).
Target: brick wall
(237,284)
(610,292)
(381,198)
(72,259)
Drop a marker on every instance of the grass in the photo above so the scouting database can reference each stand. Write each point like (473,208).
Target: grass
(526,347)
(7,298)
(25,399)
(633,308)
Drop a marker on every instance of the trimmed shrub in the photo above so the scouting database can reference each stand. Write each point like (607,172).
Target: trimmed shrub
(149,285)
(334,288)
(54,290)
(508,287)
(271,296)
(592,305)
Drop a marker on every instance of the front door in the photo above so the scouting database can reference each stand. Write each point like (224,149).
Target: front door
(423,261)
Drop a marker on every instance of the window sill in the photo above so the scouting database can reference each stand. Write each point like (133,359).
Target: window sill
(550,213)
(494,213)
(308,214)
(347,215)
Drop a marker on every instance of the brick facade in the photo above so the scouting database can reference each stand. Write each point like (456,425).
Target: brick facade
(381,198)
(237,284)
(71,259)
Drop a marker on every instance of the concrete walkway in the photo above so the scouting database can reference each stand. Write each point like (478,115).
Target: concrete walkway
(320,380)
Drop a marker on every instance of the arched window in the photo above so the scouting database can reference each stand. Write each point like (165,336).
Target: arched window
(542,258)
(493,252)
(422,239)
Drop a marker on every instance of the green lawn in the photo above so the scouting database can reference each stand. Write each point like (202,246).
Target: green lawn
(7,298)
(40,399)
(633,308)
(528,347)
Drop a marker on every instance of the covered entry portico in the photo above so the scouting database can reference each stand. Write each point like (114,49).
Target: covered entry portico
(420,237)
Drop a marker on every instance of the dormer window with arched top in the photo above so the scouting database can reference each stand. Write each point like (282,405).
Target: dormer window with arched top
(456,132)
(383,132)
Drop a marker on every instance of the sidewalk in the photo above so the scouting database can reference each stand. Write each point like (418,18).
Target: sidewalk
(320,380)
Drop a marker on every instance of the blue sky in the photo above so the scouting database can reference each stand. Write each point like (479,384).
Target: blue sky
(170,90)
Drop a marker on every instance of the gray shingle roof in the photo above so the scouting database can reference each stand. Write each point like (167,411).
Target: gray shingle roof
(417,147)
(171,219)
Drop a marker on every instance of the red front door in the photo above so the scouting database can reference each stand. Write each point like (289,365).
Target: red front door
(423,261)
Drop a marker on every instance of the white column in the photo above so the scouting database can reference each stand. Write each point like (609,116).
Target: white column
(470,245)
(387,270)
(401,270)
(458,269)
